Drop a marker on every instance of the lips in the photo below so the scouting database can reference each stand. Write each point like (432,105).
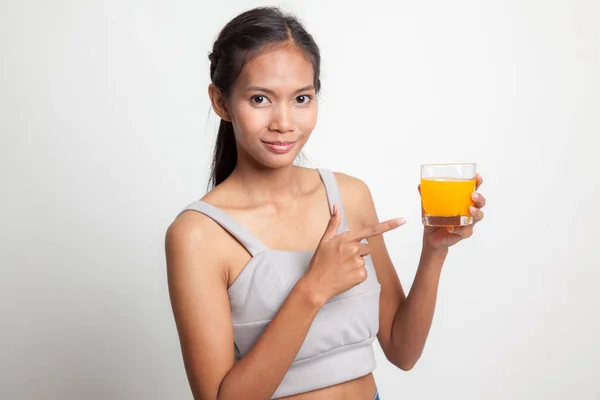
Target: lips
(278,143)
(279,147)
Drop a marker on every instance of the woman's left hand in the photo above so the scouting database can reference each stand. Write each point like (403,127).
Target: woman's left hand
(441,237)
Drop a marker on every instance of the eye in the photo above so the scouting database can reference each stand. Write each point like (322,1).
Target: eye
(259,99)
(303,99)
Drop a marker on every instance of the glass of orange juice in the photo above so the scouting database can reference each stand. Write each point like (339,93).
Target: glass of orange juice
(446,193)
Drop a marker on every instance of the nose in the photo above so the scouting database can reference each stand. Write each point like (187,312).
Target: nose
(282,120)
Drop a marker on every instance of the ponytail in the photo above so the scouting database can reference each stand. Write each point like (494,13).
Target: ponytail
(225,155)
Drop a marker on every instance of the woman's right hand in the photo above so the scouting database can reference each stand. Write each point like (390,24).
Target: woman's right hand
(338,264)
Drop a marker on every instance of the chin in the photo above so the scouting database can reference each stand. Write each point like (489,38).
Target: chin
(279,160)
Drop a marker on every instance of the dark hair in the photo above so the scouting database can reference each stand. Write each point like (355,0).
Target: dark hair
(241,39)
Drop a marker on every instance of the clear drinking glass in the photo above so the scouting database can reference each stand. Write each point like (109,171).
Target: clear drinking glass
(446,193)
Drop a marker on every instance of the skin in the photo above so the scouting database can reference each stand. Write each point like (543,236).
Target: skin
(285,206)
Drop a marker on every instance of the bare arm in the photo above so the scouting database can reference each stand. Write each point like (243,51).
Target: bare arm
(198,290)
(414,316)
(261,370)
(404,320)
(412,320)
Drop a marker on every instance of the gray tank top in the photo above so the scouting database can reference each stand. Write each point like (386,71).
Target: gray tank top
(338,346)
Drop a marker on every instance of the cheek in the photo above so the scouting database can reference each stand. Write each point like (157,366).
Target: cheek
(307,120)
(249,121)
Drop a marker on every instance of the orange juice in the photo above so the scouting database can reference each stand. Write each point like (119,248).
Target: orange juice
(446,197)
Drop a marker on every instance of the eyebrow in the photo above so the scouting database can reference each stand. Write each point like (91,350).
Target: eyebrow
(265,90)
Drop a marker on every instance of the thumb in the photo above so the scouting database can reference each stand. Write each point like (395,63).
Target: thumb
(333,225)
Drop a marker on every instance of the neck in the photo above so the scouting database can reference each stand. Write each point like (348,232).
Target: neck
(273,185)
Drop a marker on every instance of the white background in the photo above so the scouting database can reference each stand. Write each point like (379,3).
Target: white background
(106,134)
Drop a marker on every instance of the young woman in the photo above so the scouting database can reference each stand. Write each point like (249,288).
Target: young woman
(279,277)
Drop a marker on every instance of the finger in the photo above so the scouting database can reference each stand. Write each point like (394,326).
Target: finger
(478,199)
(333,225)
(478,181)
(476,213)
(463,232)
(361,273)
(364,249)
(376,229)
(451,240)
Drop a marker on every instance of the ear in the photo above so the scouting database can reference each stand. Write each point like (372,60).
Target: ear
(218,102)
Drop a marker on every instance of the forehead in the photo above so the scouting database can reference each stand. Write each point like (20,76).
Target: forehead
(280,68)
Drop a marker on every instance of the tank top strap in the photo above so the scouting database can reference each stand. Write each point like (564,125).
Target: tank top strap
(238,231)
(333,195)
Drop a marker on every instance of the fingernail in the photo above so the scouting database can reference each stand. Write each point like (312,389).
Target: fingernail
(472,210)
(400,221)
(475,196)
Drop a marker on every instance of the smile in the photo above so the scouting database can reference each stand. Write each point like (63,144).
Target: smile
(278,146)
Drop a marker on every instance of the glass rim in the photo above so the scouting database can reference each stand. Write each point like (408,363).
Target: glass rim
(449,164)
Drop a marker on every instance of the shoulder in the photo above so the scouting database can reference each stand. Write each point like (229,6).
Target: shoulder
(189,240)
(193,228)
(351,185)
(190,226)
(357,199)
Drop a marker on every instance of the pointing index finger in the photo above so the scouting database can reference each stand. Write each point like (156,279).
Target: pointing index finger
(376,229)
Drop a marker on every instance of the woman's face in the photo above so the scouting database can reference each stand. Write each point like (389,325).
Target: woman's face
(273,107)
